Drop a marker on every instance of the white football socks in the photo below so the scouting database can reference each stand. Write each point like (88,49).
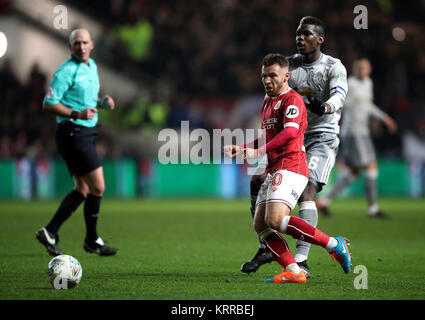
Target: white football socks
(293,267)
(331,244)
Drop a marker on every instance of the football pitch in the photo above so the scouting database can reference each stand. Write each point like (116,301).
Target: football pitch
(193,249)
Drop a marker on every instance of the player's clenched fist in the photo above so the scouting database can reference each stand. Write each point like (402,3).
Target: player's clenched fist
(231,151)
(87,113)
(249,153)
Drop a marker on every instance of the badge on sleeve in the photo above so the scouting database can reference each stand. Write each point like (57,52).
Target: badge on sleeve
(292,112)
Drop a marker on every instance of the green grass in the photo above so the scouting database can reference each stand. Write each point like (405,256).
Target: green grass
(193,249)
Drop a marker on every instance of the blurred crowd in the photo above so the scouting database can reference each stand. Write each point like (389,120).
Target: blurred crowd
(209,49)
(24,129)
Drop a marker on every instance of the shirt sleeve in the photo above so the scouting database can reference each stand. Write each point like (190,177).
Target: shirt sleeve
(60,84)
(371,90)
(349,100)
(252,144)
(337,86)
(280,140)
(374,110)
(377,113)
(292,115)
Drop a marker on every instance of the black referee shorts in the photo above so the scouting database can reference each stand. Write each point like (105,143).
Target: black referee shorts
(76,145)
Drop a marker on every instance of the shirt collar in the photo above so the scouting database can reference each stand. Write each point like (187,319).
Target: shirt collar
(313,63)
(273,98)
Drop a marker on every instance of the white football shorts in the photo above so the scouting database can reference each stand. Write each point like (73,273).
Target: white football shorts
(282,186)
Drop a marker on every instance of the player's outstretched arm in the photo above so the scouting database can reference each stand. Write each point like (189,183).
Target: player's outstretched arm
(280,140)
(377,113)
(60,110)
(391,124)
(231,151)
(250,153)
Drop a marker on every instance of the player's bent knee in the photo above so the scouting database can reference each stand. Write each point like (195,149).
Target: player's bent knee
(276,212)
(81,187)
(372,166)
(84,191)
(98,191)
(259,225)
(274,221)
(271,222)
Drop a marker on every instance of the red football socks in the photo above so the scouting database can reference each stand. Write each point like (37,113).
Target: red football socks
(302,230)
(279,248)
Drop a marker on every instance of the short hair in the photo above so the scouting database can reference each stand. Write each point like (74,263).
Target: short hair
(318,23)
(74,33)
(275,58)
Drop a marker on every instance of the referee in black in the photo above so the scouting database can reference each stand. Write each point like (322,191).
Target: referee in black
(73,96)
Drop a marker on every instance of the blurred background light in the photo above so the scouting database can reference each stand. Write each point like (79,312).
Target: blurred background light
(399,34)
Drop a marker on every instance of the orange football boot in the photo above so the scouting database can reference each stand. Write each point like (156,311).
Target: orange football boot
(288,277)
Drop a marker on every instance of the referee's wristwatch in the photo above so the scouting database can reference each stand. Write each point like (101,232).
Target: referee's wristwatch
(74,115)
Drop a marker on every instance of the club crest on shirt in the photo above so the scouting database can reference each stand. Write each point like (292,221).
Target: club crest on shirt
(318,80)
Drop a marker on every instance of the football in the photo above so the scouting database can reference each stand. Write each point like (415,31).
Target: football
(64,272)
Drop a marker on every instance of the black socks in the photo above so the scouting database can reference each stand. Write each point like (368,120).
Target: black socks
(91,213)
(68,205)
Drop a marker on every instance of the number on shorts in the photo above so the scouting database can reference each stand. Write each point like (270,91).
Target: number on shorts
(313,163)
(277,179)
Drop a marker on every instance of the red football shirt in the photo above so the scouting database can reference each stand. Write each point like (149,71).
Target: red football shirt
(287,109)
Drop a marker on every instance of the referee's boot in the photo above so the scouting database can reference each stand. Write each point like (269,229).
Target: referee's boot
(261,257)
(49,241)
(99,247)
